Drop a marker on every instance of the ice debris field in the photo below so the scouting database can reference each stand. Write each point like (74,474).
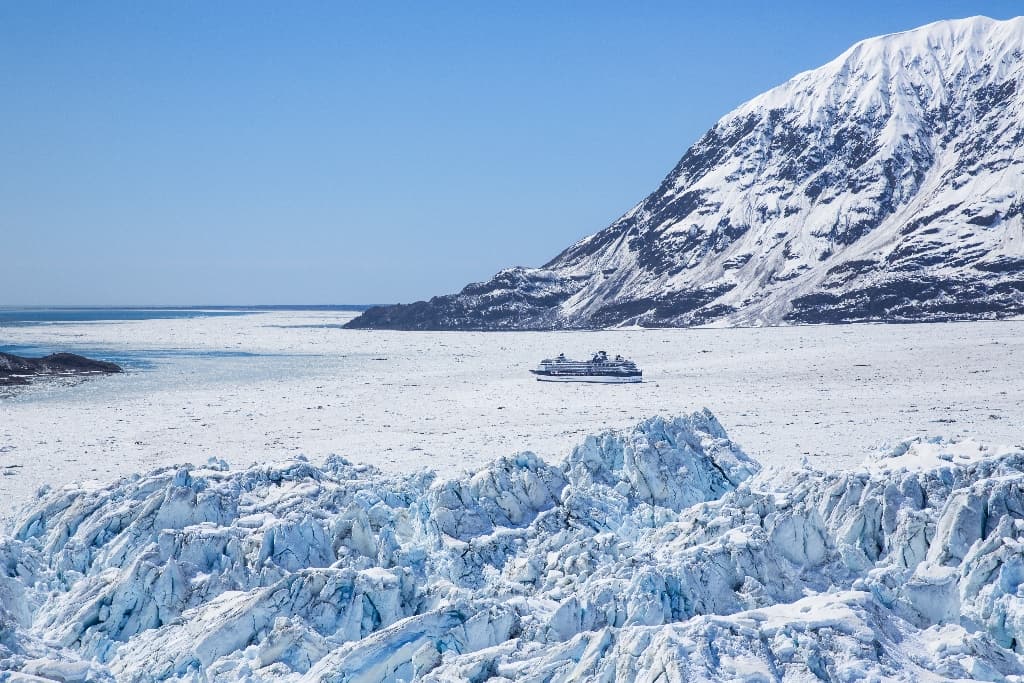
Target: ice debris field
(259,387)
(658,552)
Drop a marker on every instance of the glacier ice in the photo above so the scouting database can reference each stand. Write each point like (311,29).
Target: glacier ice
(658,553)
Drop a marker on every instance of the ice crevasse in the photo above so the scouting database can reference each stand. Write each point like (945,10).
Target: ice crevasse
(662,552)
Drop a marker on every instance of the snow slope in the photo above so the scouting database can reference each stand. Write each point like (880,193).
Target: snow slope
(884,185)
(660,552)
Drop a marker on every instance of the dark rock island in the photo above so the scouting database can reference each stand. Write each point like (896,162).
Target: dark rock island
(15,370)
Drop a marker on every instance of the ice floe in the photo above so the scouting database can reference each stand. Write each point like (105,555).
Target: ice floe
(657,553)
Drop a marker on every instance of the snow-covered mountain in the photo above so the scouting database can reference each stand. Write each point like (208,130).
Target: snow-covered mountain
(886,185)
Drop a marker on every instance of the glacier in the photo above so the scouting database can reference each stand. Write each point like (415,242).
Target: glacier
(660,552)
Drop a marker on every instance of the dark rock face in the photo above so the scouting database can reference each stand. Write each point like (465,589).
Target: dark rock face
(517,298)
(15,370)
(887,185)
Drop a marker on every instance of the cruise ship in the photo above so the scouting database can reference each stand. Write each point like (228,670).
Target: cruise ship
(600,368)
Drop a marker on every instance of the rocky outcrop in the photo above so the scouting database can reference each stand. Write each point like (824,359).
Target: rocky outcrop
(16,370)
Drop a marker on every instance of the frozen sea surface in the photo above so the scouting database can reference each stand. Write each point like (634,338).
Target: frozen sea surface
(258,387)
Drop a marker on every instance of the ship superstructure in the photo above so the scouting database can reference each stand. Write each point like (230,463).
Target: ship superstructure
(600,368)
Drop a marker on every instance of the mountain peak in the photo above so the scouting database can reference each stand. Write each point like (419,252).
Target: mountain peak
(883,185)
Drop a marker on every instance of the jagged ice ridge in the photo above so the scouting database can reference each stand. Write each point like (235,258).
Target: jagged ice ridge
(658,553)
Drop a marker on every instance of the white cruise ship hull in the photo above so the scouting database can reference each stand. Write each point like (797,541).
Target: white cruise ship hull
(600,379)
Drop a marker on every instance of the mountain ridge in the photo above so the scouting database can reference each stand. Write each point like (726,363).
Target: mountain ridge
(885,185)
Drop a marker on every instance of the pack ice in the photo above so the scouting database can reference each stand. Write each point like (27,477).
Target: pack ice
(658,553)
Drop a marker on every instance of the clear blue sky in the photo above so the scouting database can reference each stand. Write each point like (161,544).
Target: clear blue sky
(306,152)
